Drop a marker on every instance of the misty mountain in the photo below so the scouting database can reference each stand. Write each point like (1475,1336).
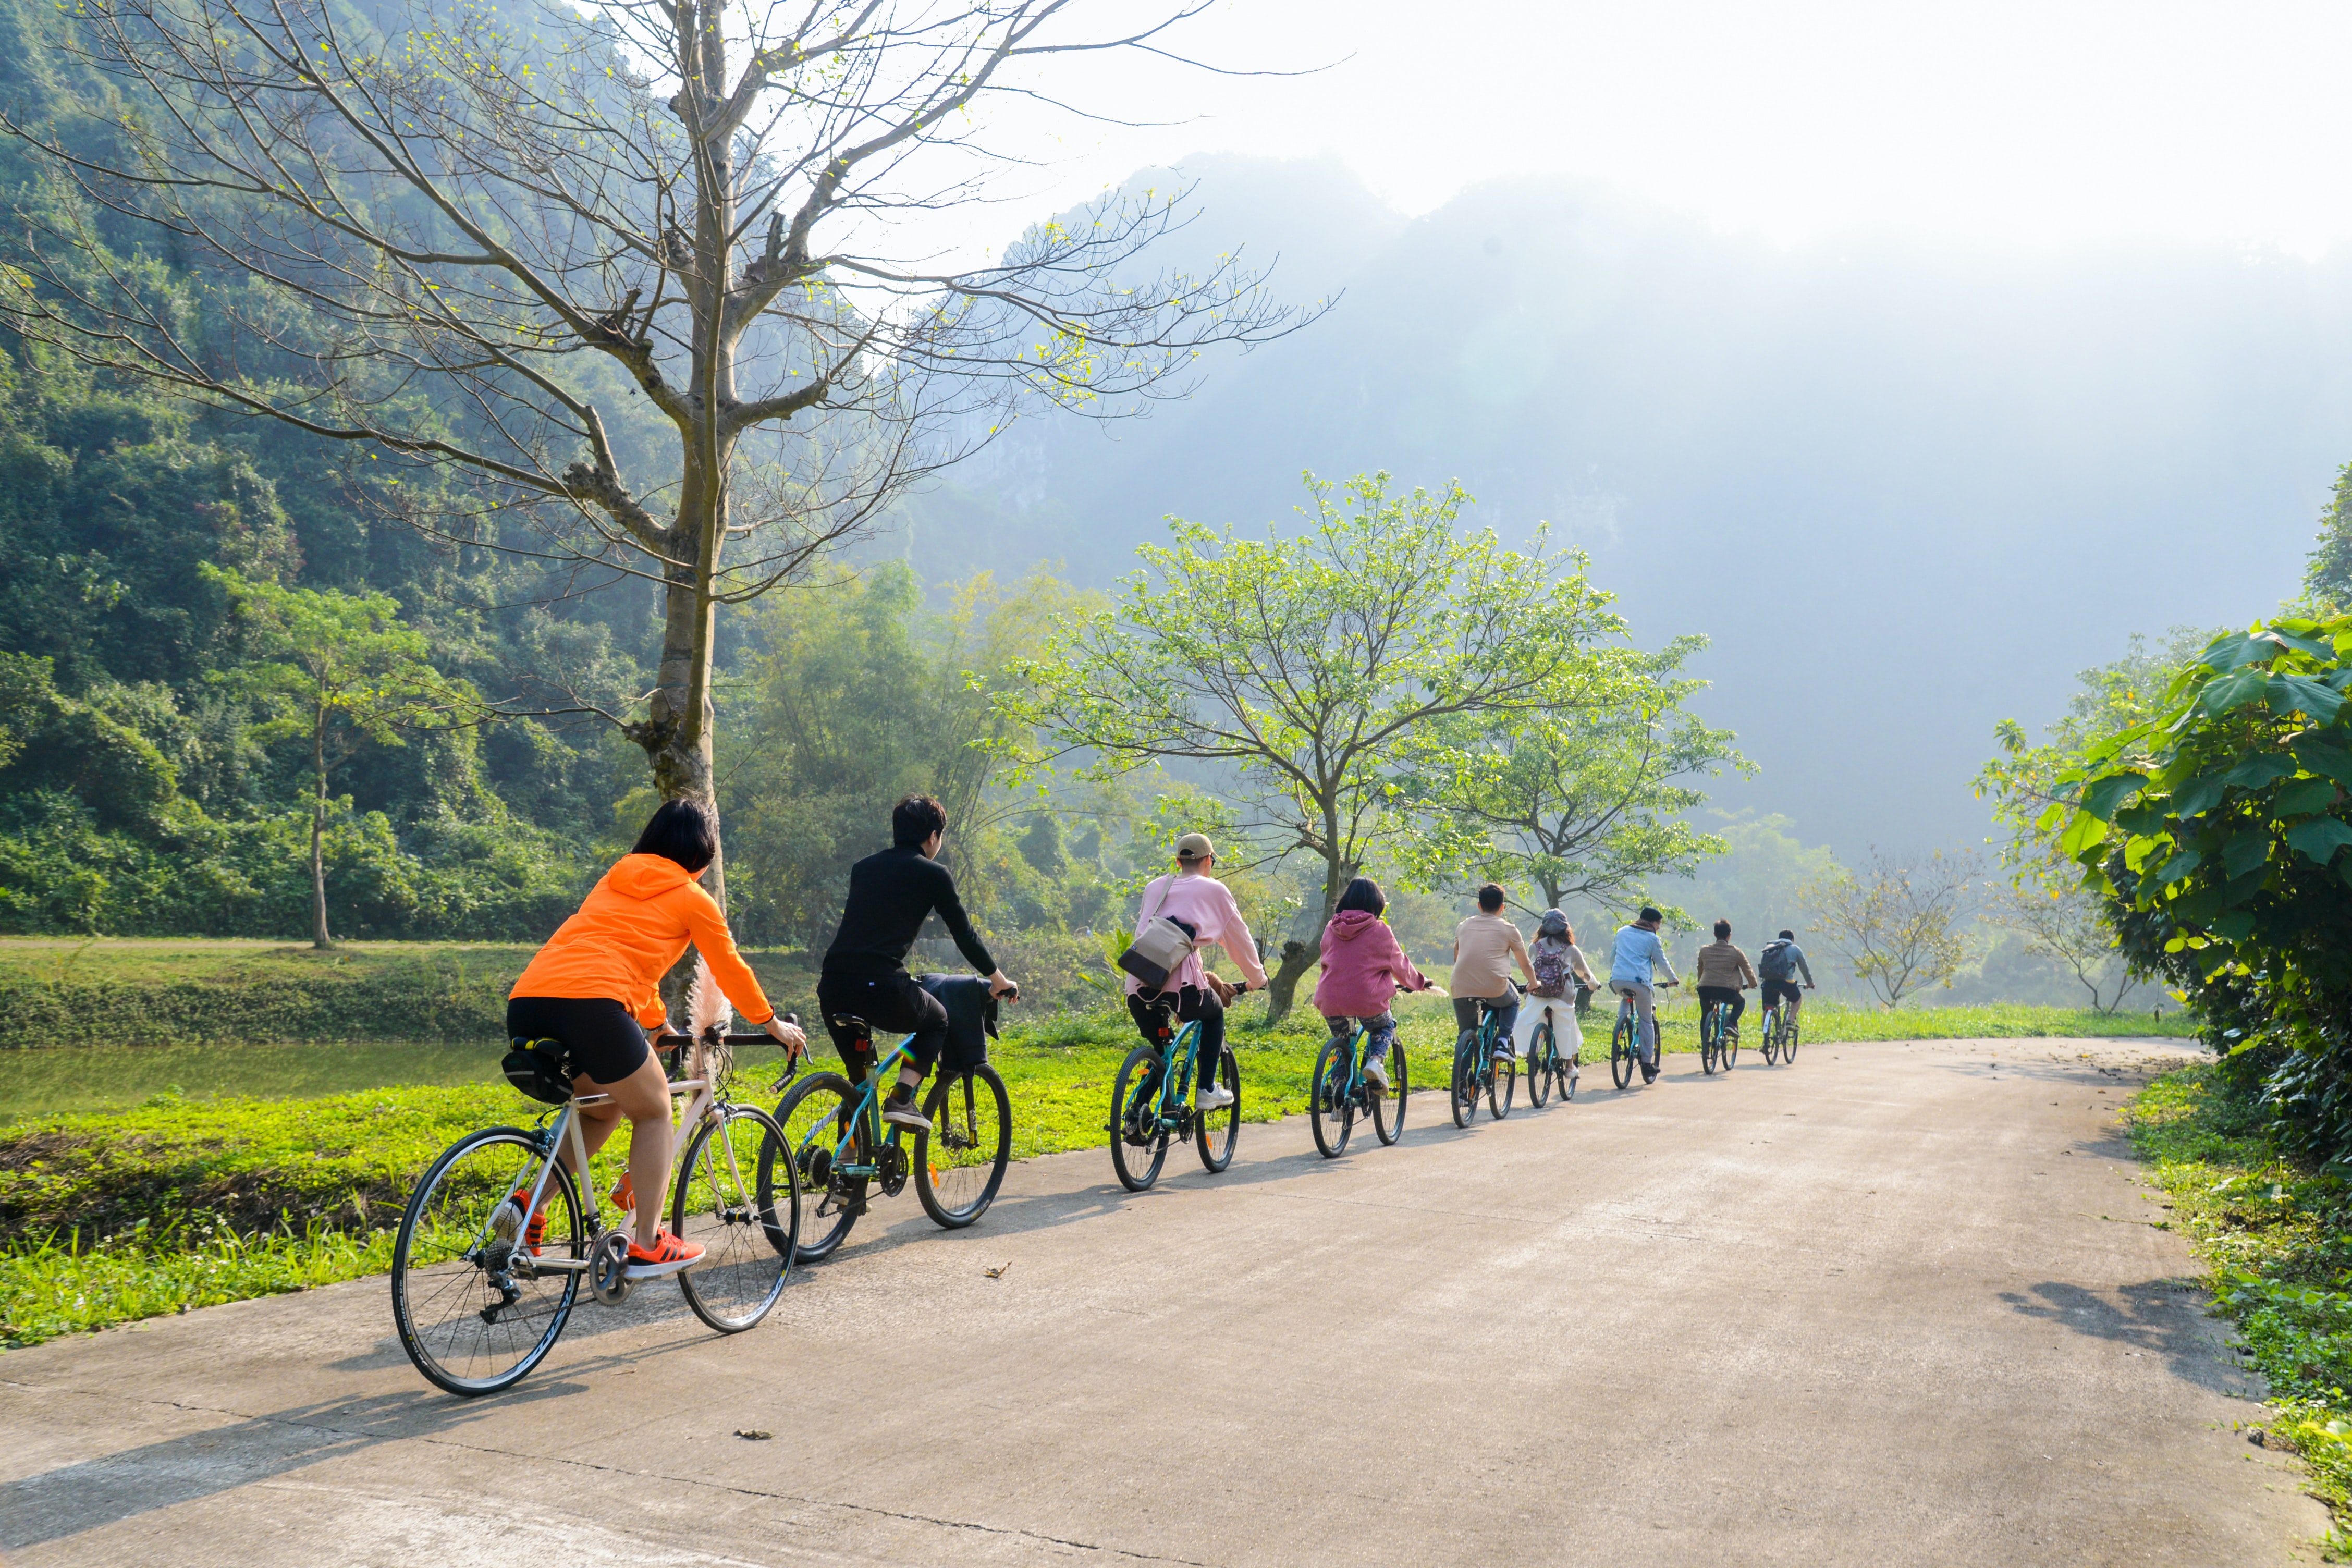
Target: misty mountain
(1908,490)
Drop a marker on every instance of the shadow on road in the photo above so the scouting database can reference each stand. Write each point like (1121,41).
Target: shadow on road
(2158,1318)
(67,1501)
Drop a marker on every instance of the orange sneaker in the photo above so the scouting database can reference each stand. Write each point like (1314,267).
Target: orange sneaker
(625,1194)
(668,1256)
(535,1232)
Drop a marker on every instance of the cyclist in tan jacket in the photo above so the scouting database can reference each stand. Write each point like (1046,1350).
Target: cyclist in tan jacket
(1722,973)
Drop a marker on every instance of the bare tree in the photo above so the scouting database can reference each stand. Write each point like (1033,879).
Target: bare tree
(1897,920)
(609,281)
(2064,924)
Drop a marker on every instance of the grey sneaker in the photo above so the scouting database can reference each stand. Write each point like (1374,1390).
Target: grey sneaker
(900,1111)
(1215,1097)
(1376,1070)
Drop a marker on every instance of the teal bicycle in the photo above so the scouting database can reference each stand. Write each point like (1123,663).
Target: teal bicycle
(1152,1103)
(1342,1089)
(1482,1066)
(842,1149)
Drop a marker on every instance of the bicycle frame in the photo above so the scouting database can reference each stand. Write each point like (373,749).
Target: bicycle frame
(864,1116)
(1355,1062)
(564,1132)
(1176,1074)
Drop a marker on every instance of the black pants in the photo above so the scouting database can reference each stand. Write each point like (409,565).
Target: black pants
(893,1004)
(1782,991)
(1151,1011)
(1709,995)
(1505,1009)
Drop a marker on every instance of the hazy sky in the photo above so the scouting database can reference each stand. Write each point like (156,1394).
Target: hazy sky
(2034,124)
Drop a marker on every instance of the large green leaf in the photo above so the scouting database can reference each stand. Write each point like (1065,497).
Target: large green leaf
(2300,694)
(2325,756)
(2304,797)
(2199,796)
(2237,649)
(2177,868)
(2237,925)
(2320,838)
(2105,794)
(2259,770)
(2233,690)
(2085,832)
(2249,850)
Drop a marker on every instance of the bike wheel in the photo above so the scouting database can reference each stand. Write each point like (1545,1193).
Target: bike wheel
(737,1194)
(813,1114)
(1466,1084)
(1501,1085)
(961,1161)
(1139,1144)
(1388,1110)
(1329,1105)
(1541,1051)
(1772,1038)
(1727,1049)
(473,1313)
(1789,1043)
(1570,1069)
(1622,1054)
(1709,1026)
(1215,1132)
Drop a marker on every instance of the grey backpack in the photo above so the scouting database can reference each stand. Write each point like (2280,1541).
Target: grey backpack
(1778,962)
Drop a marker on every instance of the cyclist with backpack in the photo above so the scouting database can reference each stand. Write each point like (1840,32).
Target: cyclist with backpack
(1778,964)
(1205,908)
(1557,961)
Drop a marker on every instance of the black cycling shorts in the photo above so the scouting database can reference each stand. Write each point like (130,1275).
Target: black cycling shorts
(1776,990)
(604,1041)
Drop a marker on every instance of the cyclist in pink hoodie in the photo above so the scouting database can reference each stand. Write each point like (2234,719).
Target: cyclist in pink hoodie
(1363,969)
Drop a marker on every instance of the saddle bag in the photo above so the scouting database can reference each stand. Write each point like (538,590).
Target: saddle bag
(539,1068)
(1158,949)
(971,1019)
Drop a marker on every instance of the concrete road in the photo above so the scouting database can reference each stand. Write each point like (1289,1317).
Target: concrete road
(1898,1304)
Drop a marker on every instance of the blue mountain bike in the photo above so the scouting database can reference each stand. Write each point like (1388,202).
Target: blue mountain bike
(1152,1102)
(1482,1065)
(1341,1091)
(843,1149)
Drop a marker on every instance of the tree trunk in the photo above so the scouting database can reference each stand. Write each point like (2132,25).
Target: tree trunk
(1297,957)
(319,937)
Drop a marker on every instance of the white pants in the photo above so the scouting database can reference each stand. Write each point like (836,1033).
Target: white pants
(1561,1011)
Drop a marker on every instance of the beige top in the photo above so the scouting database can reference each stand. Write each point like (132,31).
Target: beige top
(1482,946)
(1720,963)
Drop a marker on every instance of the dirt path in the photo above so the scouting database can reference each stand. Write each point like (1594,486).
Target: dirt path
(1898,1304)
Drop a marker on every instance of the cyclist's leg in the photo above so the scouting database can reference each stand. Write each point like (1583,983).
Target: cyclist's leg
(1153,1012)
(1504,1010)
(1645,1020)
(1202,1004)
(609,1052)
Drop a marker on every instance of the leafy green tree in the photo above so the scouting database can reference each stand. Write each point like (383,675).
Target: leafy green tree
(336,671)
(1898,921)
(2214,829)
(1593,802)
(2327,577)
(1317,669)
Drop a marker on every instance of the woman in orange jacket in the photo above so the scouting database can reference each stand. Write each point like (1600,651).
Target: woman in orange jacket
(599,978)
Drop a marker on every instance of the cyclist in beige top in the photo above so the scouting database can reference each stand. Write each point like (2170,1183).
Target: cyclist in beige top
(1722,973)
(1484,946)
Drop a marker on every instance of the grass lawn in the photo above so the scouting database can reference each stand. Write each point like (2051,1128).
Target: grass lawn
(2276,1237)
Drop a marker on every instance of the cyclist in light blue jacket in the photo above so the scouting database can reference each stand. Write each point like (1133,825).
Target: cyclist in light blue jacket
(1633,964)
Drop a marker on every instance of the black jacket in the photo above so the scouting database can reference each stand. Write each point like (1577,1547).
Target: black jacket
(890,894)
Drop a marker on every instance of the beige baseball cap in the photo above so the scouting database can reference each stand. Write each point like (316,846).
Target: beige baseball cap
(1195,847)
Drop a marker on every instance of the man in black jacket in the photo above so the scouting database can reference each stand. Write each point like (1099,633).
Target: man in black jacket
(865,975)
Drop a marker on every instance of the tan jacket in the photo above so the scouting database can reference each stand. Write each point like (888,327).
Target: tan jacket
(1482,947)
(1720,963)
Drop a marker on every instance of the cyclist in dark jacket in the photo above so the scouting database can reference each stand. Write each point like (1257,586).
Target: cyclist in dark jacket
(1778,966)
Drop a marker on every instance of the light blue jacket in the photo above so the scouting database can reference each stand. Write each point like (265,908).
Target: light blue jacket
(1635,957)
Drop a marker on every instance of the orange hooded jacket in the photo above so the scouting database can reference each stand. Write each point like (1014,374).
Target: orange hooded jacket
(629,931)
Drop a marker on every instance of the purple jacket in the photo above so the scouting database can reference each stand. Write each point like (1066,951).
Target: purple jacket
(1363,968)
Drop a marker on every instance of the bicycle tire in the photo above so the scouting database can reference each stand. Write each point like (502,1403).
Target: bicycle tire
(1214,1132)
(1772,1036)
(1135,1095)
(1464,1083)
(1726,1049)
(433,1279)
(1789,1043)
(747,1230)
(1328,1107)
(1622,1054)
(1388,1110)
(1570,1069)
(1709,1026)
(1501,1085)
(957,1191)
(1541,1048)
(824,1098)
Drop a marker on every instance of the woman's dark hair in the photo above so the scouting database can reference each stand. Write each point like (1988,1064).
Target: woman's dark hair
(681,830)
(1723,930)
(915,819)
(1490,897)
(1364,894)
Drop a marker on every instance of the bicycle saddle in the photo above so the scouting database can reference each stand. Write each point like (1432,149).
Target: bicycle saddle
(852,1022)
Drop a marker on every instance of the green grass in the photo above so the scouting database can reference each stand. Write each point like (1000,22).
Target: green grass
(2278,1238)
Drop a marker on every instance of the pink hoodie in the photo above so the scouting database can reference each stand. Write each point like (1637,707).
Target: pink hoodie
(1363,968)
